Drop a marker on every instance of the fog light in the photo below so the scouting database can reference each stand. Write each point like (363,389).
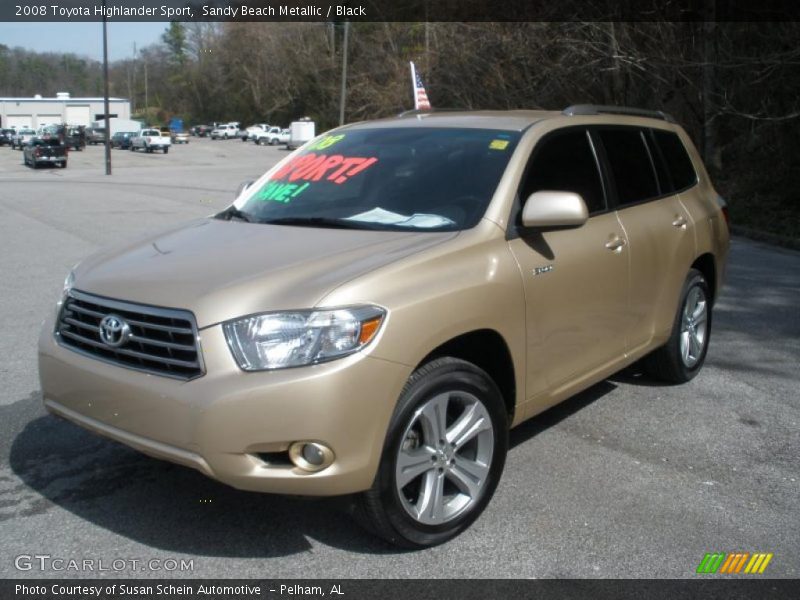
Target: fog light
(310,456)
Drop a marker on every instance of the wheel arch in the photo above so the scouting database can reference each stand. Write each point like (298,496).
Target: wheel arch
(488,350)
(706,264)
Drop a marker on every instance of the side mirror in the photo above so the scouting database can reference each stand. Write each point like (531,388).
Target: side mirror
(554,210)
(243,187)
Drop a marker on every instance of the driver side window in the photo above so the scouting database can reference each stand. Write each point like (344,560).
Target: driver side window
(565,161)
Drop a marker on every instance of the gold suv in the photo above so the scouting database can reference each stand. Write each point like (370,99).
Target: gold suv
(376,311)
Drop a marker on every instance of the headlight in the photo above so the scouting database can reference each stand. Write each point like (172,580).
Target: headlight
(294,339)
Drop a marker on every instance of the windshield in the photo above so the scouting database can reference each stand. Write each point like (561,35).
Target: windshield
(432,179)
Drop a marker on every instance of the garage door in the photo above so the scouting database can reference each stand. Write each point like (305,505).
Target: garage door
(42,120)
(19,121)
(78,115)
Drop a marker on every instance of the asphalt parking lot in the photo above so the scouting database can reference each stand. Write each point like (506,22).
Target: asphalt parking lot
(628,479)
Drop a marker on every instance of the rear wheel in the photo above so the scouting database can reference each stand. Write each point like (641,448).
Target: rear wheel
(166,149)
(682,357)
(443,456)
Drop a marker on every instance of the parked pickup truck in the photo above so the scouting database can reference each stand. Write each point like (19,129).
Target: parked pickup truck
(45,152)
(150,140)
(272,136)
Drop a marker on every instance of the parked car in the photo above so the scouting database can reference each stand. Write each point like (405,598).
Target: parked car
(122,139)
(5,136)
(225,132)
(202,130)
(22,137)
(49,151)
(75,137)
(95,135)
(151,140)
(254,130)
(394,298)
(272,136)
(180,137)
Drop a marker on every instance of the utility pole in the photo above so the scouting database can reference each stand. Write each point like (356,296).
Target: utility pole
(133,87)
(105,85)
(146,99)
(343,95)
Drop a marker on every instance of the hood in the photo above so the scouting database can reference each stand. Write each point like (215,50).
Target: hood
(225,269)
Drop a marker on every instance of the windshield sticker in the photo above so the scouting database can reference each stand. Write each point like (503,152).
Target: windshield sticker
(326,142)
(315,167)
(281,192)
(498,145)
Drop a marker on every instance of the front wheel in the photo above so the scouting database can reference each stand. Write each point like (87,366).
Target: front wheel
(166,149)
(682,357)
(443,456)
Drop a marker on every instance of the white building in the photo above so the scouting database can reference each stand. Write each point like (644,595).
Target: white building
(37,111)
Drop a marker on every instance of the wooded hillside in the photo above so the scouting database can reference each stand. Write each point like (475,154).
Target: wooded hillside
(734,86)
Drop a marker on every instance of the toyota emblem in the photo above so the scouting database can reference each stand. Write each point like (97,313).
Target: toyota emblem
(114,331)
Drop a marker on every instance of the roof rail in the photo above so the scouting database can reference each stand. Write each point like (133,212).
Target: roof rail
(598,109)
(428,111)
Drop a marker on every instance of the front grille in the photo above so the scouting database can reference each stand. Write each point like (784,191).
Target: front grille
(159,340)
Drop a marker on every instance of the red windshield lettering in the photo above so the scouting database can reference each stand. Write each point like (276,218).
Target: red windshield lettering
(315,167)
(319,173)
(366,163)
(302,172)
(291,165)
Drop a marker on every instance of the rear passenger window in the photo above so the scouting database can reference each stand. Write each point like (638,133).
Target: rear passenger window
(679,164)
(565,162)
(630,165)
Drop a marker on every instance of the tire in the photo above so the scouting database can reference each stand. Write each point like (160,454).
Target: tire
(261,141)
(468,398)
(166,149)
(682,357)
(273,142)
(63,165)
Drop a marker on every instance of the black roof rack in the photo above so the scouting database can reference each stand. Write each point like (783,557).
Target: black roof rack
(598,109)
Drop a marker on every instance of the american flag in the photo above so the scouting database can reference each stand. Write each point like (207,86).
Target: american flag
(421,101)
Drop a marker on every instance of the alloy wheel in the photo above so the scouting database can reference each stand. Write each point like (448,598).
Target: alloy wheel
(693,327)
(445,457)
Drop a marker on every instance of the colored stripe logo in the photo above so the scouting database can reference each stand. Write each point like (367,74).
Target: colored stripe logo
(734,563)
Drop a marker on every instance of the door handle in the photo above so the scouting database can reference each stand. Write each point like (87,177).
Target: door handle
(616,244)
(679,222)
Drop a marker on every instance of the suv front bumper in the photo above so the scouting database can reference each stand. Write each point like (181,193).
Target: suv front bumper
(225,422)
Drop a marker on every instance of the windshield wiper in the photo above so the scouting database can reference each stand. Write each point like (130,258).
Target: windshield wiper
(337,223)
(234,213)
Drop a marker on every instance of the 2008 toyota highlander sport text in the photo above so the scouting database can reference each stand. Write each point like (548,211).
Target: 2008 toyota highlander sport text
(374,313)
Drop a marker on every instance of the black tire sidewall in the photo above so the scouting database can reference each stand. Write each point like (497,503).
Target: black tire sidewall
(453,375)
